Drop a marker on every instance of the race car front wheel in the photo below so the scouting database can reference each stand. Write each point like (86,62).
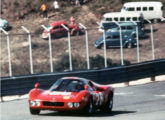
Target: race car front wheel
(89,108)
(34,111)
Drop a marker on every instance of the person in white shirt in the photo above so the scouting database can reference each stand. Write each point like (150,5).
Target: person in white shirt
(56,5)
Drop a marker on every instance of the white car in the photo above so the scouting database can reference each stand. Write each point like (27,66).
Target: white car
(3,24)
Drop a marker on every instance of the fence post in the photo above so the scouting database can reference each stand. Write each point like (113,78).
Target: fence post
(121,44)
(50,48)
(8,48)
(105,50)
(152,44)
(137,39)
(69,46)
(30,48)
(87,50)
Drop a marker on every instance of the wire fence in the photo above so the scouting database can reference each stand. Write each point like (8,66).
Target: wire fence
(81,47)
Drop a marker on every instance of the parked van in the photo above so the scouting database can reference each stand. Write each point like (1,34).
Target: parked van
(129,29)
(150,10)
(108,19)
(113,40)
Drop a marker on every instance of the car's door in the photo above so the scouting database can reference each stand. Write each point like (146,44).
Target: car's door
(56,31)
(115,41)
(63,31)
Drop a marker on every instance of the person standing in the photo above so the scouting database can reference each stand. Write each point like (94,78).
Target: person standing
(44,10)
(56,5)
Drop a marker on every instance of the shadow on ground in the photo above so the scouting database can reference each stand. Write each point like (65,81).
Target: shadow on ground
(95,114)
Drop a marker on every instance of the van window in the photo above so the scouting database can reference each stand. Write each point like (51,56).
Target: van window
(134,18)
(122,19)
(116,19)
(128,19)
(109,19)
(129,28)
(138,9)
(131,9)
(151,8)
(144,8)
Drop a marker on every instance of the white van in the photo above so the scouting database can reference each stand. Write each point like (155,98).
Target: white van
(150,10)
(108,19)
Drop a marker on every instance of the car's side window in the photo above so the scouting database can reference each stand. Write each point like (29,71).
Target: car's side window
(108,37)
(129,28)
(56,27)
(115,37)
(123,27)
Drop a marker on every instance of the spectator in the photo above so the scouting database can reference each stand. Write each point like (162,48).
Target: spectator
(56,5)
(44,10)
(77,2)
(72,20)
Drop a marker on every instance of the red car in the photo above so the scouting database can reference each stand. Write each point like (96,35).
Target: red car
(57,30)
(71,94)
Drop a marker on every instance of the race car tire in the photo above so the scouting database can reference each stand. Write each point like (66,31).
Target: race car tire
(89,108)
(34,111)
(109,104)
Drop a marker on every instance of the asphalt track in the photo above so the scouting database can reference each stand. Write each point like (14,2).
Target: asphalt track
(142,102)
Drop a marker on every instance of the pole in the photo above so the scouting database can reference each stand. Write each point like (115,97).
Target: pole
(87,49)
(8,49)
(152,39)
(137,39)
(105,51)
(50,49)
(69,46)
(121,44)
(30,49)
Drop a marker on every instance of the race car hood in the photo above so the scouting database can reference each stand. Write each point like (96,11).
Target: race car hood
(62,96)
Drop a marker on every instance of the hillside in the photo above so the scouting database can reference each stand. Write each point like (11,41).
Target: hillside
(88,14)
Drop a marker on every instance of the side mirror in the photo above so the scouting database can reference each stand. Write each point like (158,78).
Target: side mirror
(86,87)
(36,85)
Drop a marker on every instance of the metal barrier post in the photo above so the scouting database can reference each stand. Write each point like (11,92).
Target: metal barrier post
(69,46)
(8,48)
(152,39)
(137,39)
(86,39)
(152,44)
(105,51)
(50,49)
(30,48)
(121,44)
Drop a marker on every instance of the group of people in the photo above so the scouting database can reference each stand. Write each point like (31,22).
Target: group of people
(77,2)
(44,8)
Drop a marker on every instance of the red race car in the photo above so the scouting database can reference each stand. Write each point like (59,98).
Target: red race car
(71,94)
(57,30)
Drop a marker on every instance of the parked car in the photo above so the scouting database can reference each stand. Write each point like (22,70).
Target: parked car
(57,30)
(3,24)
(129,29)
(150,10)
(71,94)
(113,40)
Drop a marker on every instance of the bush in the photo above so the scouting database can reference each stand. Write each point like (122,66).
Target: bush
(79,63)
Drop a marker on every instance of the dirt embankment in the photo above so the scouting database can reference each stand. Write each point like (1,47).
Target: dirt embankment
(88,14)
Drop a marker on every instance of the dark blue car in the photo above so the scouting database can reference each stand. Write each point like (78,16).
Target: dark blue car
(113,40)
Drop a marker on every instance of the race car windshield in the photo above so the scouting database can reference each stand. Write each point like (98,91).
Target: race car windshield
(68,85)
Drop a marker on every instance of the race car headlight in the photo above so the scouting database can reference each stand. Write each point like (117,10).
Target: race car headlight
(32,103)
(76,105)
(70,105)
(35,103)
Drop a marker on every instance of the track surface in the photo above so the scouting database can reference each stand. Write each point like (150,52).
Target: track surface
(143,102)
